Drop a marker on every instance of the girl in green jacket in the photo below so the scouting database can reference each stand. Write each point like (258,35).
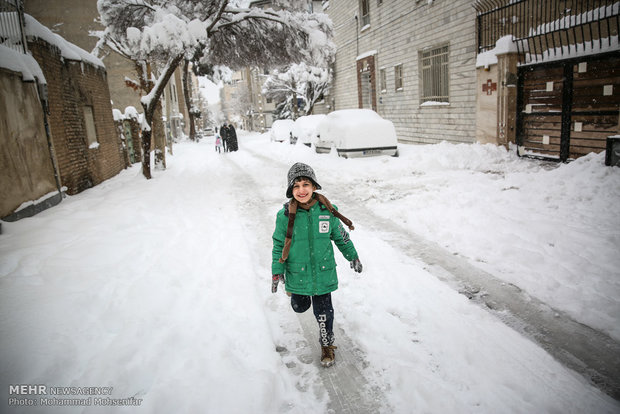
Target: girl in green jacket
(303,253)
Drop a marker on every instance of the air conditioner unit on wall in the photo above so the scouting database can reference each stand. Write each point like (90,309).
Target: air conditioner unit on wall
(612,152)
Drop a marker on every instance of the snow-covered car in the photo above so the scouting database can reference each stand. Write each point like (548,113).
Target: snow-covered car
(357,133)
(306,128)
(208,131)
(281,130)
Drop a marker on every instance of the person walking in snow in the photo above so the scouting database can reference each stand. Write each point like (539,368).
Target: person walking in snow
(218,143)
(303,254)
(232,137)
(224,135)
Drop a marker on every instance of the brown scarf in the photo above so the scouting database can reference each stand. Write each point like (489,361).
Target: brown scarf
(292,210)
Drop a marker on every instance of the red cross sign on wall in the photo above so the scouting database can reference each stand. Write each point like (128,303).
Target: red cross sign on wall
(489,87)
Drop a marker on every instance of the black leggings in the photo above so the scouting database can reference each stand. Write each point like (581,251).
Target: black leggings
(323,312)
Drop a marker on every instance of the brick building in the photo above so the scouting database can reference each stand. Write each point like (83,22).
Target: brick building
(80,114)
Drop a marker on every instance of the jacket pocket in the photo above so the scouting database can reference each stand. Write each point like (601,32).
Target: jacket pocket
(327,277)
(297,276)
(327,265)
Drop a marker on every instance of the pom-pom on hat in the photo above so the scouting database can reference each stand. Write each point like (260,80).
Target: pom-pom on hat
(298,170)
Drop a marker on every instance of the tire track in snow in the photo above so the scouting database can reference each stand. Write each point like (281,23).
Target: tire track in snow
(349,391)
(592,353)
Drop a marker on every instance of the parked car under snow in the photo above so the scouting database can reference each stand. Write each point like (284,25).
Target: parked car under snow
(306,128)
(357,133)
(281,130)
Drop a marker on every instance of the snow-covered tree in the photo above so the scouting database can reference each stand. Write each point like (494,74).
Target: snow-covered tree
(303,81)
(166,32)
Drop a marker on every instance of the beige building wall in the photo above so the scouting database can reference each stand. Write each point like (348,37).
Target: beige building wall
(486,105)
(398,31)
(25,159)
(73,20)
(496,103)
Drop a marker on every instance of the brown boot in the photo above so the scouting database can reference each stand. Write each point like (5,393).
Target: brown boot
(328,356)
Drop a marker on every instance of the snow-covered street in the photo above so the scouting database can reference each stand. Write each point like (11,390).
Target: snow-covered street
(160,289)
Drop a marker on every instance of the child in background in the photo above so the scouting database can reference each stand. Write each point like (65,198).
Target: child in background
(218,143)
(303,252)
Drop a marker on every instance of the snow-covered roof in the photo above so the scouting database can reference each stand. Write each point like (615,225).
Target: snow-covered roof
(18,62)
(69,51)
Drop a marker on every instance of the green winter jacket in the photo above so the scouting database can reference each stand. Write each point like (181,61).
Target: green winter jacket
(310,268)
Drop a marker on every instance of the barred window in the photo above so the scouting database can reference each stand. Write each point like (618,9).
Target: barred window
(365,12)
(383,80)
(434,75)
(398,77)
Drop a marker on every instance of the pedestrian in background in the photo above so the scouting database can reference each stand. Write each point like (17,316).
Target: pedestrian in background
(218,143)
(232,137)
(224,135)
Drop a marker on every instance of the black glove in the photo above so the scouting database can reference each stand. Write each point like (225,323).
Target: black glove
(274,282)
(356,265)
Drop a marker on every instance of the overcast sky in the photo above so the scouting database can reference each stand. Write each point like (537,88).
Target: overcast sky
(209,90)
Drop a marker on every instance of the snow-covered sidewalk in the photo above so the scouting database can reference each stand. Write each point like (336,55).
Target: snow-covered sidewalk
(160,288)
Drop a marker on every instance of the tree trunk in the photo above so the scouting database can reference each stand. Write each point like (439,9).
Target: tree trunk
(186,92)
(146,154)
(151,104)
(159,138)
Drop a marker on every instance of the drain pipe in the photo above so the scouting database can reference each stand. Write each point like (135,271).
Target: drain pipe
(43,97)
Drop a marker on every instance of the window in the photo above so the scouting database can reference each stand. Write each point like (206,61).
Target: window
(382,80)
(434,75)
(91,132)
(398,77)
(365,12)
